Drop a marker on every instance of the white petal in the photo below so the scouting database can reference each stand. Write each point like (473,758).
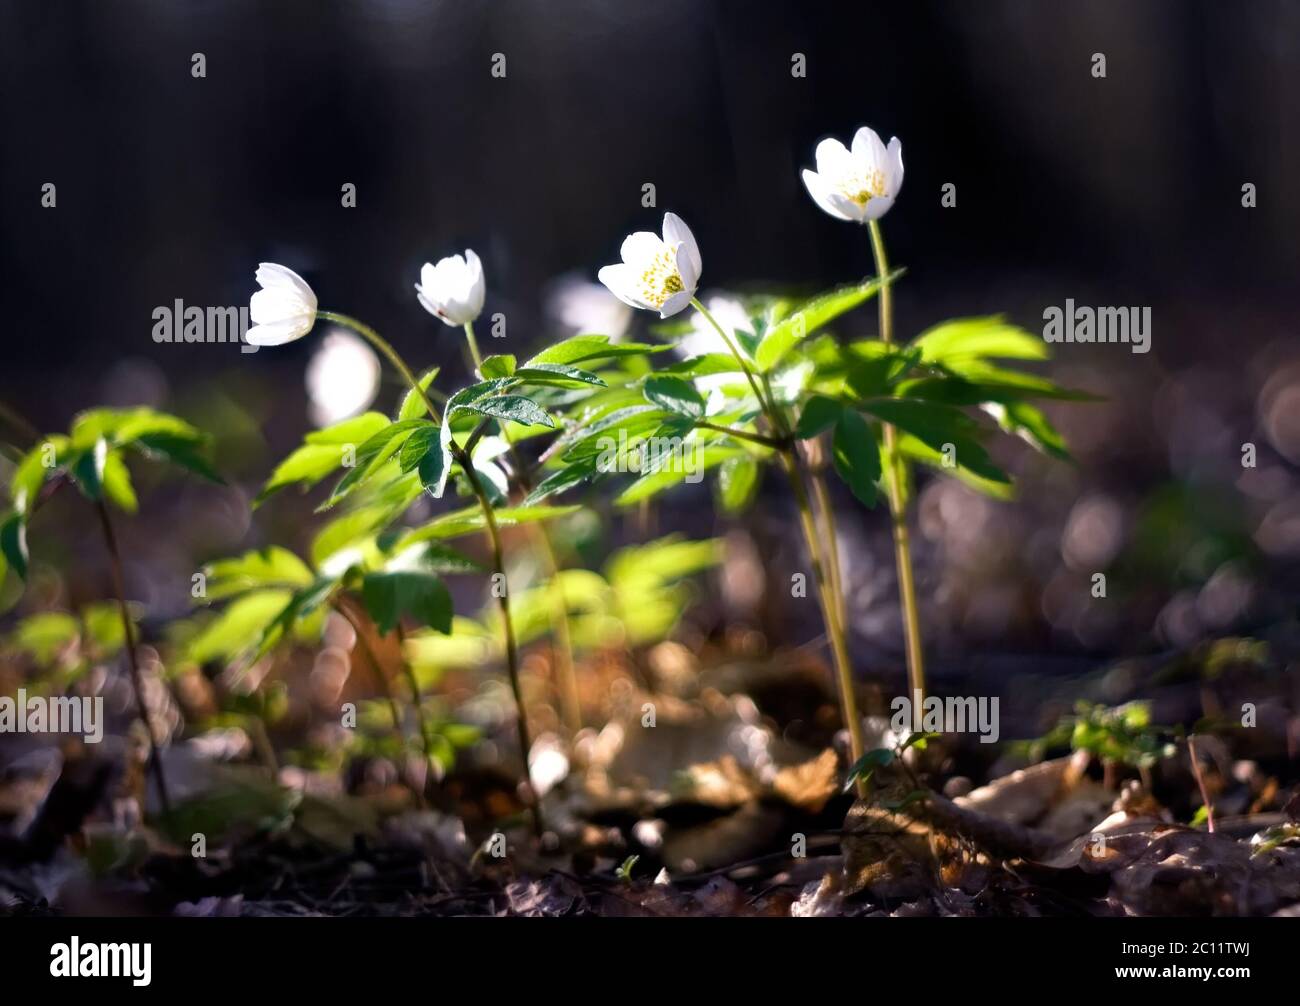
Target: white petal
(868,151)
(639,248)
(676,231)
(270,275)
(877,208)
(276,333)
(618,280)
(821,193)
(675,303)
(831,156)
(895,166)
(433,307)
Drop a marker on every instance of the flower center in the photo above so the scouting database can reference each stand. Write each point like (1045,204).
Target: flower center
(863,188)
(660,278)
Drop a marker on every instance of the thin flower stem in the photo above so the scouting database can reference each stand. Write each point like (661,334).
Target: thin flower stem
(562,650)
(373,337)
(828,603)
(474,354)
(137,680)
(1200,782)
(821,493)
(894,478)
(493,536)
(756,438)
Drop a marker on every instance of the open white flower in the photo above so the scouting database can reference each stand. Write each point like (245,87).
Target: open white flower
(342,378)
(453,289)
(657,274)
(283,310)
(860,183)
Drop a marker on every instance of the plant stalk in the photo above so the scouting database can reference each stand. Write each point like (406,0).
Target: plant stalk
(828,603)
(894,486)
(566,680)
(137,680)
(493,535)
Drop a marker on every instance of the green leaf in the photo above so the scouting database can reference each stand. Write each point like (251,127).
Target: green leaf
(497,366)
(564,479)
(13,543)
(117,483)
(435,466)
(914,449)
(264,568)
(1030,424)
(322,452)
(238,627)
(180,451)
(420,596)
(787,333)
(674,395)
(469,520)
(819,414)
(865,767)
(963,340)
(654,482)
(88,469)
(856,455)
(939,427)
(585,348)
(560,375)
(737,483)
(703,366)
(621,425)
(46,633)
(412,406)
(515,408)
(31,473)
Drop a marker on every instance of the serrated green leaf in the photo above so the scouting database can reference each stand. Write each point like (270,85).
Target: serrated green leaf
(780,338)
(423,597)
(856,455)
(270,567)
(819,415)
(955,343)
(653,483)
(586,348)
(413,406)
(737,483)
(942,428)
(560,375)
(497,366)
(675,395)
(515,408)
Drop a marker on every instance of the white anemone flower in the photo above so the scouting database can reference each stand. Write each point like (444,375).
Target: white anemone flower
(657,274)
(453,289)
(860,183)
(342,378)
(283,310)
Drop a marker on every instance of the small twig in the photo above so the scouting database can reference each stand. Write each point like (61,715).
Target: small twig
(1200,782)
(137,681)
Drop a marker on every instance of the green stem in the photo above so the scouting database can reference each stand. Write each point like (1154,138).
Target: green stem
(493,536)
(137,679)
(826,600)
(756,438)
(474,354)
(894,480)
(373,337)
(562,650)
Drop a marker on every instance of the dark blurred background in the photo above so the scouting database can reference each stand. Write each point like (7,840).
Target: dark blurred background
(1125,190)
